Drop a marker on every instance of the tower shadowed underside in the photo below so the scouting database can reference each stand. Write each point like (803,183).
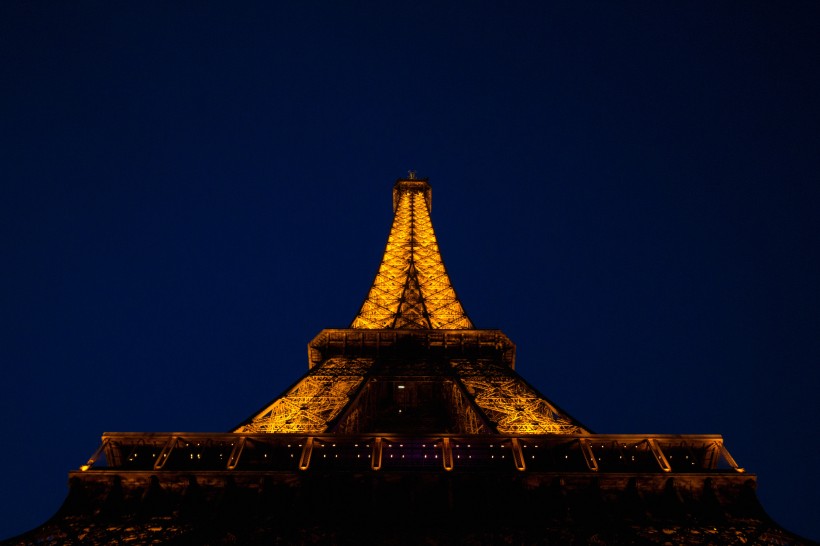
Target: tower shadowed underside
(410,426)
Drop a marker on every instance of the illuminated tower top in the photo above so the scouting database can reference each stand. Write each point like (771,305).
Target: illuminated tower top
(412,289)
(411,362)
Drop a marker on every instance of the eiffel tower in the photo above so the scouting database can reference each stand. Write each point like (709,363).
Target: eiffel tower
(410,426)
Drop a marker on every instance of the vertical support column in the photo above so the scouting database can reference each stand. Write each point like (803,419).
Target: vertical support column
(659,456)
(518,455)
(446,454)
(113,453)
(304,461)
(589,456)
(165,453)
(376,454)
(233,460)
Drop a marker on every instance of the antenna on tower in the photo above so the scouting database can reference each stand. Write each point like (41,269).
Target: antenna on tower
(411,175)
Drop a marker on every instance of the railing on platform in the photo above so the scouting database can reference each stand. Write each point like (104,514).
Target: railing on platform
(624,453)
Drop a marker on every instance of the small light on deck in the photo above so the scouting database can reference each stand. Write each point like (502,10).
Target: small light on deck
(84,468)
(401,386)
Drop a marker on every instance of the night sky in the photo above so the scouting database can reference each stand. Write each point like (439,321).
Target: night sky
(190,192)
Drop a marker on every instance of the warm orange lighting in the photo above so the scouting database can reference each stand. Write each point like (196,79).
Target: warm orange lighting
(314,401)
(412,289)
(509,402)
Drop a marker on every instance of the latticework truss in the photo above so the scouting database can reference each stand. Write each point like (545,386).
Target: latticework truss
(388,372)
(464,413)
(514,406)
(314,401)
(412,289)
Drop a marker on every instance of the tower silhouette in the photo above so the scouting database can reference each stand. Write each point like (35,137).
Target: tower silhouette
(410,426)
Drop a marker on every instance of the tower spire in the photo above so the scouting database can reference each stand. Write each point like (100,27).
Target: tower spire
(412,289)
(377,375)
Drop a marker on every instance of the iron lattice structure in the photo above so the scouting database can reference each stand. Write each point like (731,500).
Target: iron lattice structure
(412,292)
(410,426)
(412,288)
(315,400)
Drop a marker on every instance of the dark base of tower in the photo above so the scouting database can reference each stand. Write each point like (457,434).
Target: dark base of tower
(109,507)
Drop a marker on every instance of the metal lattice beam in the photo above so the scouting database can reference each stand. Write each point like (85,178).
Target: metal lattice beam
(314,401)
(509,402)
(412,288)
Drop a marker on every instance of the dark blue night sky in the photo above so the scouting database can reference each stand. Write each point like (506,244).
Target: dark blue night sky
(190,192)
